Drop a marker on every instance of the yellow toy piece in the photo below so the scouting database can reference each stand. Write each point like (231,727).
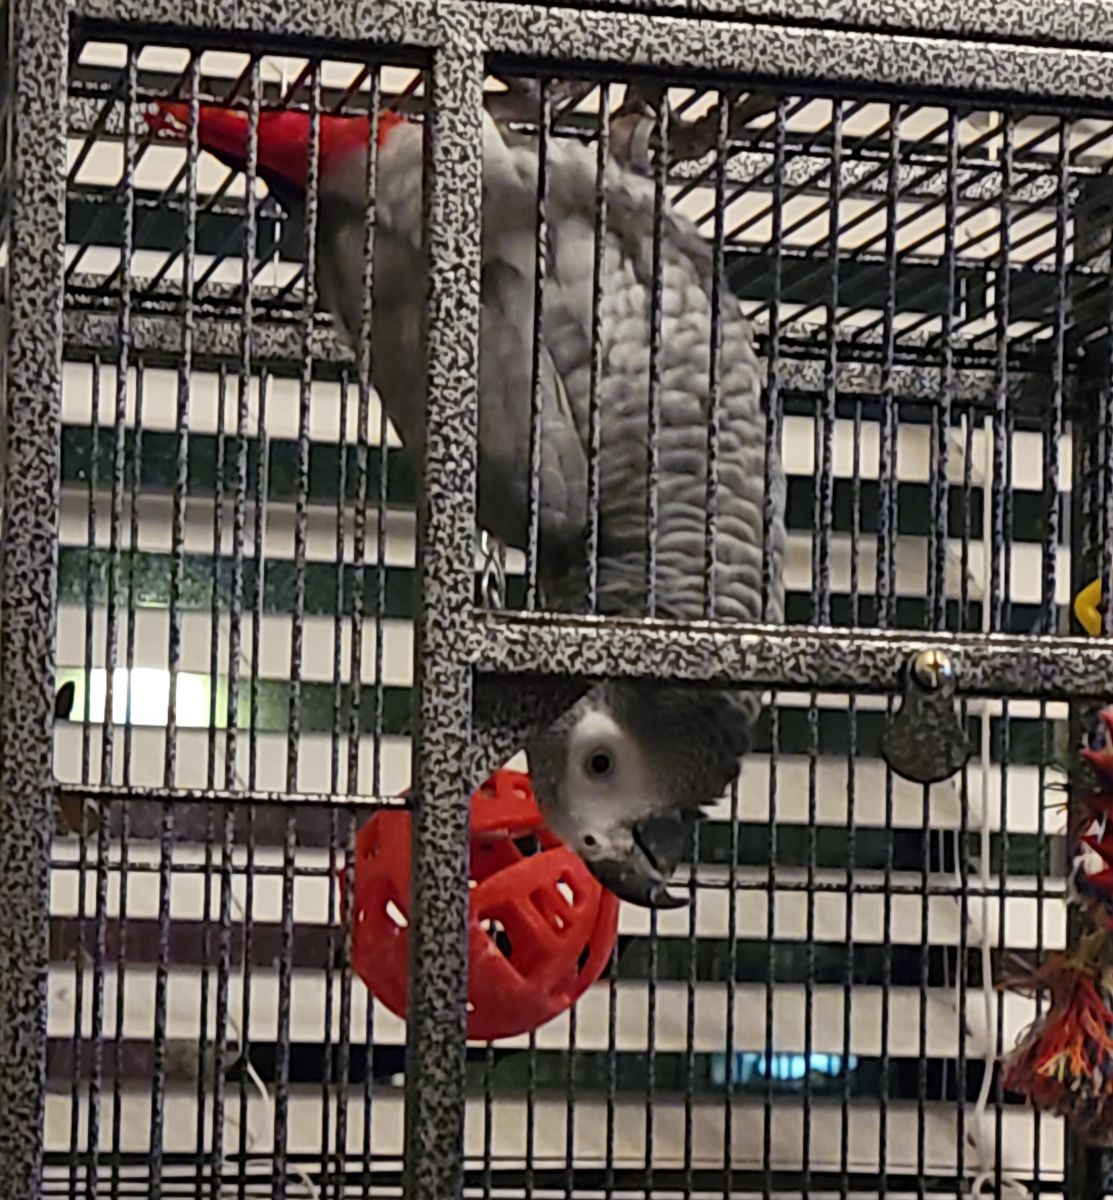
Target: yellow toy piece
(1087,608)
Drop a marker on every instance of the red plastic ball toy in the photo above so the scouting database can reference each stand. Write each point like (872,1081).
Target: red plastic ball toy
(541,927)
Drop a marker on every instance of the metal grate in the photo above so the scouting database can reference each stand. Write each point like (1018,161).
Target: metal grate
(239,589)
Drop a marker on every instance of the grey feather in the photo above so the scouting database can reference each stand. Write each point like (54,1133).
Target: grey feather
(506,338)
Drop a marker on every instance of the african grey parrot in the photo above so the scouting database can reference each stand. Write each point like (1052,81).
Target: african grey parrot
(618,774)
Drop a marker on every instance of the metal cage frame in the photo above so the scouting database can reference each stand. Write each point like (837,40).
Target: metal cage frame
(1049,51)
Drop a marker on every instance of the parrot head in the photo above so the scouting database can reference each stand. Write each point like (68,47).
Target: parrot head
(282,139)
(622,777)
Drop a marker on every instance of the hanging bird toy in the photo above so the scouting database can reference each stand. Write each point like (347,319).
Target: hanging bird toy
(1091,876)
(1063,1062)
(541,928)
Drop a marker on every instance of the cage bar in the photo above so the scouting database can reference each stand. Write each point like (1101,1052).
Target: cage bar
(34,47)
(446,524)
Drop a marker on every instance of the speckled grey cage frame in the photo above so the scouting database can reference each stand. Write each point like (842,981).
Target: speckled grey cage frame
(1045,50)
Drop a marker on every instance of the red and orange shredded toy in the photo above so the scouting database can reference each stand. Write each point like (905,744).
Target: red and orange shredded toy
(1063,1062)
(1091,878)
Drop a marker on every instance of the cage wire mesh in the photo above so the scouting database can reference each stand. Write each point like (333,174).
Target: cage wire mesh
(929,288)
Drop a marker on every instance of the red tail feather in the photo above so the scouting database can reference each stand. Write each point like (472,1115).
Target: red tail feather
(283,136)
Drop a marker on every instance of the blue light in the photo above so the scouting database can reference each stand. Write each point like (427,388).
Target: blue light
(746,1065)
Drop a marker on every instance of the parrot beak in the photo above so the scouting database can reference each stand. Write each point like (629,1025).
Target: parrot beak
(633,887)
(642,877)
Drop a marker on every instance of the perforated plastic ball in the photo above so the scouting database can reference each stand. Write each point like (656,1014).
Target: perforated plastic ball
(541,928)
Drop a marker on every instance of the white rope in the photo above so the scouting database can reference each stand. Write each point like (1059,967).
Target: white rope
(308,1187)
(979,1130)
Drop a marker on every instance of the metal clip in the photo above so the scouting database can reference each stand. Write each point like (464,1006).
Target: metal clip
(492,572)
(925,741)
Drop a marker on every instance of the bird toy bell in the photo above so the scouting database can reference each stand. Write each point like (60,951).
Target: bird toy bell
(541,928)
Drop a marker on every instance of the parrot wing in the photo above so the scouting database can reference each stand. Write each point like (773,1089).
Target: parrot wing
(686,408)
(506,345)
(506,388)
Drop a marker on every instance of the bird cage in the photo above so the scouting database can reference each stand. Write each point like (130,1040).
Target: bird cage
(238,618)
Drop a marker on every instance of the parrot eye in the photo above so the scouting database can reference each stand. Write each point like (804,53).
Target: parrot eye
(599,763)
